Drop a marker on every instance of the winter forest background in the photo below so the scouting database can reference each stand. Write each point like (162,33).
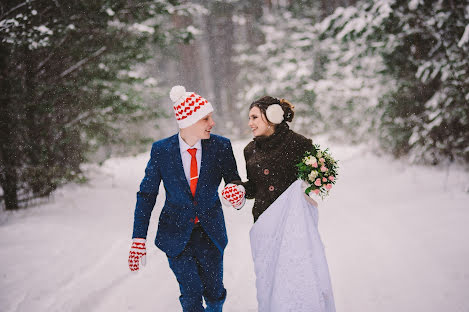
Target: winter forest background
(82,81)
(84,90)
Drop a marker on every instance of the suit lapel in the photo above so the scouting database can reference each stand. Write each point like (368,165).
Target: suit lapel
(178,166)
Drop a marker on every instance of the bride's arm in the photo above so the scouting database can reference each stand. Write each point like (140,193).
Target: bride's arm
(249,185)
(304,186)
(311,201)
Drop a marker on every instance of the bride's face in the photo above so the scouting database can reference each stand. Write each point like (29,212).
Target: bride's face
(258,123)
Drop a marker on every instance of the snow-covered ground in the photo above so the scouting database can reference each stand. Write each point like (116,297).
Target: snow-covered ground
(396,237)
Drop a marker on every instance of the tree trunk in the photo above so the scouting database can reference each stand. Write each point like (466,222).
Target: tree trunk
(8,173)
(188,67)
(253,14)
(220,33)
(9,186)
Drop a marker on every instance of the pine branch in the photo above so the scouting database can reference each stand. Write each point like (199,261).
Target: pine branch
(42,63)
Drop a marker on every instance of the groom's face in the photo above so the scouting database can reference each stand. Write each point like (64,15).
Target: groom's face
(202,128)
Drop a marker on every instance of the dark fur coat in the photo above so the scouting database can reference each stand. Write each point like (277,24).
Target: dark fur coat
(271,165)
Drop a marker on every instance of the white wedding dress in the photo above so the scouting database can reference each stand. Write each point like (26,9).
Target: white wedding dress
(289,260)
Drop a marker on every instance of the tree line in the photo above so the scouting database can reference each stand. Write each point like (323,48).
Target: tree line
(75,76)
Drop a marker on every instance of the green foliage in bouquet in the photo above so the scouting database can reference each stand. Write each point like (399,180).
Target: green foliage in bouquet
(319,170)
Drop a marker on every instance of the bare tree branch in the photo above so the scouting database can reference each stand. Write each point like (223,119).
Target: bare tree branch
(85,115)
(51,54)
(17,7)
(83,61)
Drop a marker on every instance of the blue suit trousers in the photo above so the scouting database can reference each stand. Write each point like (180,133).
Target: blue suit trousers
(199,272)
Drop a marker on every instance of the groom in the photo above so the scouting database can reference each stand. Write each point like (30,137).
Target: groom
(191,228)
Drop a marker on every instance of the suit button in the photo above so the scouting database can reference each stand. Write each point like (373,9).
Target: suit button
(195,203)
(271,188)
(266,171)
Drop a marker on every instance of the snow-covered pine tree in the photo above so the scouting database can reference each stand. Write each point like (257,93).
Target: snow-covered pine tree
(333,89)
(350,84)
(424,46)
(282,66)
(67,84)
(429,57)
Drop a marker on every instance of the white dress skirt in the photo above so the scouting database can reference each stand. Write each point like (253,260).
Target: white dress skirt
(289,259)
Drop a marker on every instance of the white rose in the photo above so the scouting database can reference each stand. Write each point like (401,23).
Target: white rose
(310,160)
(312,176)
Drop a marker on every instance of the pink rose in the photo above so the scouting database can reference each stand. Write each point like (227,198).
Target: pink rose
(316,191)
(315,165)
(317,182)
(324,179)
(331,178)
(323,168)
(328,186)
(322,160)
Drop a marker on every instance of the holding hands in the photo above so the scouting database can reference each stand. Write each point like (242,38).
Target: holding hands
(234,195)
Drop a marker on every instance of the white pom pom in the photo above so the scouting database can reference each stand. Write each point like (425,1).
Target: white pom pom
(274,113)
(176,93)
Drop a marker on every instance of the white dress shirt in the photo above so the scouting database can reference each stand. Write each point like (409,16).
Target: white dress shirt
(186,157)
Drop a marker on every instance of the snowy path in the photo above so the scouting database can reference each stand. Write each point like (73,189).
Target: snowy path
(396,239)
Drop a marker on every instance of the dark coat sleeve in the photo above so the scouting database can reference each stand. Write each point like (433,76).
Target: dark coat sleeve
(146,196)
(304,145)
(228,163)
(249,185)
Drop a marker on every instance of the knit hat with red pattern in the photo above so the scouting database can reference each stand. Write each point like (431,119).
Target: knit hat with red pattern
(189,107)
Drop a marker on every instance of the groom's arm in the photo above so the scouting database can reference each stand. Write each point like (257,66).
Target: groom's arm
(146,196)
(228,163)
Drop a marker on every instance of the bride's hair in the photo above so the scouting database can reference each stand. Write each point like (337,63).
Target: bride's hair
(266,101)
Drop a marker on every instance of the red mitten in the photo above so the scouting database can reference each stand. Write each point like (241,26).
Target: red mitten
(234,195)
(137,252)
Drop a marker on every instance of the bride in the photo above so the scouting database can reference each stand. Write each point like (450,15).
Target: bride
(289,259)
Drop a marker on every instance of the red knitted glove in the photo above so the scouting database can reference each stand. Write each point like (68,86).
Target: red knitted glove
(234,195)
(137,252)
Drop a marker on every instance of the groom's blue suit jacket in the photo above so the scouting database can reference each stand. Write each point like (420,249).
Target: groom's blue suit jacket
(175,226)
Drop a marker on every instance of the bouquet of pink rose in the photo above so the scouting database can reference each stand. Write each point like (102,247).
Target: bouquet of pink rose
(319,170)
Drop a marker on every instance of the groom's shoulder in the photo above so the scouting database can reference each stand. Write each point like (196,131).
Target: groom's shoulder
(218,139)
(163,143)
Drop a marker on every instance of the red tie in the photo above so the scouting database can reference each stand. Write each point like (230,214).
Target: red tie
(194,174)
